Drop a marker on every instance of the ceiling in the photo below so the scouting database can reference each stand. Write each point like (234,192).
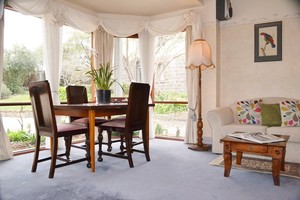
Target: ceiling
(136,7)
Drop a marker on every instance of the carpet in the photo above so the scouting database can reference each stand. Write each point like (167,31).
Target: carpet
(260,165)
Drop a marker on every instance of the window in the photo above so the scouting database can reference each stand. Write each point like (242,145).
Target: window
(126,64)
(23,58)
(76,60)
(169,79)
(170,86)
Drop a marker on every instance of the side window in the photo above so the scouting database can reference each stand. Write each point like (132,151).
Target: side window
(76,60)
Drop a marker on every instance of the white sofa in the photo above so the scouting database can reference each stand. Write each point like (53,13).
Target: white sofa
(224,120)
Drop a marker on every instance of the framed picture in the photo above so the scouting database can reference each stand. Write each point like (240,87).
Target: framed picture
(268,42)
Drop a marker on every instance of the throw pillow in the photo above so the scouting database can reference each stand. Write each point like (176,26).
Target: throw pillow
(249,111)
(270,114)
(290,114)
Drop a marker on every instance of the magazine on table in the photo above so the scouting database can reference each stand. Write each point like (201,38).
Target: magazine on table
(258,137)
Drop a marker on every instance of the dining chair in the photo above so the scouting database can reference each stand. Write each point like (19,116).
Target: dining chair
(46,125)
(135,120)
(77,94)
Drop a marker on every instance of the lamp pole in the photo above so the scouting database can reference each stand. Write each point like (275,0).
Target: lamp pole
(199,146)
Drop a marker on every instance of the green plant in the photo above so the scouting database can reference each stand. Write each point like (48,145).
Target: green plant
(5,93)
(159,130)
(18,136)
(103,77)
(23,136)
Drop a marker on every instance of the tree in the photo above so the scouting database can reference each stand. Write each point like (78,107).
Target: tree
(20,65)
(75,55)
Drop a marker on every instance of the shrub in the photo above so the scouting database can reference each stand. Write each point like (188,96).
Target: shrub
(17,136)
(5,92)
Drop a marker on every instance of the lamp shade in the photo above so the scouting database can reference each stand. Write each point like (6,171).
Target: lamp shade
(199,55)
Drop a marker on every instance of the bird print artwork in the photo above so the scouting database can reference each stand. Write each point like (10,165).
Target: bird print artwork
(268,40)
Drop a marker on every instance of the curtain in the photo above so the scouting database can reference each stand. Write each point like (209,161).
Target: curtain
(5,146)
(146,47)
(64,12)
(52,51)
(103,43)
(192,82)
(192,91)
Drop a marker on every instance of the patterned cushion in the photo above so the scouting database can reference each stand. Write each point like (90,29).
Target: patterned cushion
(290,113)
(249,111)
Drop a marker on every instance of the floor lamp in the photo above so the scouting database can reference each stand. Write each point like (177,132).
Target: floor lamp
(199,57)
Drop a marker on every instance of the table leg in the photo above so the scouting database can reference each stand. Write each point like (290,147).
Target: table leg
(227,158)
(92,138)
(239,156)
(283,160)
(276,163)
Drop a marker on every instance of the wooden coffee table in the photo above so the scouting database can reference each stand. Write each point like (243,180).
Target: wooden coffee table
(275,150)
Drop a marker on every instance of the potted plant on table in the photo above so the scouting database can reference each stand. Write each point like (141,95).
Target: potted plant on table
(103,79)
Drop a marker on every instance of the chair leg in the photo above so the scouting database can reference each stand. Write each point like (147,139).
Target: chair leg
(68,142)
(53,157)
(87,146)
(122,142)
(36,153)
(145,144)
(100,140)
(128,149)
(109,147)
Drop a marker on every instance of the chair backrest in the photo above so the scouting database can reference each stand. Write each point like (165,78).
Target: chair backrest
(137,106)
(42,106)
(76,94)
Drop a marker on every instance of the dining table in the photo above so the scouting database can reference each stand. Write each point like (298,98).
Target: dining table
(92,110)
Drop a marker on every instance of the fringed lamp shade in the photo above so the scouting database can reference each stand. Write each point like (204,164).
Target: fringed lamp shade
(199,55)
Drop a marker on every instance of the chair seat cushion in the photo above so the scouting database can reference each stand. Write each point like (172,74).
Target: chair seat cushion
(118,124)
(119,118)
(71,128)
(85,120)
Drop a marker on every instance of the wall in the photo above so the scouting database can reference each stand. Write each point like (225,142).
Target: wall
(240,76)
(236,75)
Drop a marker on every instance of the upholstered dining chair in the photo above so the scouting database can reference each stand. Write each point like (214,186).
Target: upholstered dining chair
(77,94)
(46,125)
(135,120)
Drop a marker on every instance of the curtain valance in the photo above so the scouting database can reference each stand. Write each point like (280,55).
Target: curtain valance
(118,25)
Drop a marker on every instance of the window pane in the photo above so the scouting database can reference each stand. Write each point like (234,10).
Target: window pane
(170,119)
(76,60)
(23,62)
(126,64)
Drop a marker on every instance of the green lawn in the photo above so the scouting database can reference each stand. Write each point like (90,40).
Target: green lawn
(15,98)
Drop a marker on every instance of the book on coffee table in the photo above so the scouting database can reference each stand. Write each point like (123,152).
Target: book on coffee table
(258,137)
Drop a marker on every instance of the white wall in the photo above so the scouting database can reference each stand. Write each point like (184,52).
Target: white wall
(237,76)
(240,76)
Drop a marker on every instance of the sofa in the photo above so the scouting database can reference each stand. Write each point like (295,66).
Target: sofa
(229,119)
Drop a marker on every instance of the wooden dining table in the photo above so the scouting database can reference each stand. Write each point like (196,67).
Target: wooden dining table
(92,110)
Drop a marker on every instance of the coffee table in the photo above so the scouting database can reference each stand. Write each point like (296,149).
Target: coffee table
(275,150)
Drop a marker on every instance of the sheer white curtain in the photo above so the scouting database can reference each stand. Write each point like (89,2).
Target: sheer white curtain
(103,43)
(5,146)
(146,47)
(192,82)
(192,91)
(52,54)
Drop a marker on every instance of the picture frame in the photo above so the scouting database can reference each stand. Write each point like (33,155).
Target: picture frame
(268,42)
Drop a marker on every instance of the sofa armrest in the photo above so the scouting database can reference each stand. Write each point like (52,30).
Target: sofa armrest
(217,118)
(220,116)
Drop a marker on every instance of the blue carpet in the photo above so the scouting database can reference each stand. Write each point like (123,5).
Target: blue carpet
(174,173)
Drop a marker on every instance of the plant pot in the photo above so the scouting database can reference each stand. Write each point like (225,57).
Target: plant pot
(103,96)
